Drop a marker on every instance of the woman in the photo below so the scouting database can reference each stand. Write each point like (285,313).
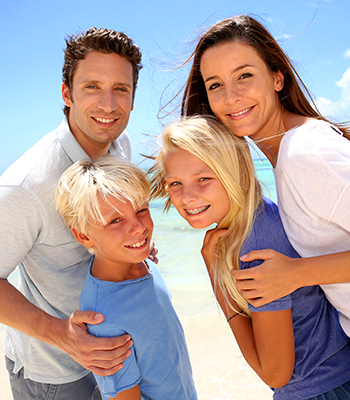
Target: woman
(242,76)
(295,344)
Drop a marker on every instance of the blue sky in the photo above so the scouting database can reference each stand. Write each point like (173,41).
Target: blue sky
(315,34)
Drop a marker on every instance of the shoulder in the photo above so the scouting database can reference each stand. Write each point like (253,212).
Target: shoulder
(313,137)
(268,231)
(36,161)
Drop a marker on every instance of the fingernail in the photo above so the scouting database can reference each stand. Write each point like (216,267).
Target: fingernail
(98,316)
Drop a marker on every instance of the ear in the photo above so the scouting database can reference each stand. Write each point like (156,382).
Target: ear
(66,95)
(279,81)
(81,237)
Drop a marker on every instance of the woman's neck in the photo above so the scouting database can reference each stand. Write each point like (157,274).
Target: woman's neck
(270,145)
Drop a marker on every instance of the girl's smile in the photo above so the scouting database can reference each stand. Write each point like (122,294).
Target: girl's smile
(195,190)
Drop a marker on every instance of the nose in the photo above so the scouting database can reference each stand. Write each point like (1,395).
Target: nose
(136,227)
(107,101)
(188,195)
(232,94)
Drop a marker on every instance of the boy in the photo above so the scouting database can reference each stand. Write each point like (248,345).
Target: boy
(105,204)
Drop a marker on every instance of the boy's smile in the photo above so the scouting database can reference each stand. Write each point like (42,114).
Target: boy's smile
(122,242)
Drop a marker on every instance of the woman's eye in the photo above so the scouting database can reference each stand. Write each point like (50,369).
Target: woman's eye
(245,75)
(213,86)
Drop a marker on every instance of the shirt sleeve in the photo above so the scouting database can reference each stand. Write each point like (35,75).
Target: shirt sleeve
(128,377)
(21,223)
(284,303)
(319,177)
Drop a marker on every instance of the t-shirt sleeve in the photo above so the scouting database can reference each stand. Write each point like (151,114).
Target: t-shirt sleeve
(21,223)
(319,177)
(284,303)
(128,377)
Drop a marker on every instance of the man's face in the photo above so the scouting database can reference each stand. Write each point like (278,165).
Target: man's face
(100,100)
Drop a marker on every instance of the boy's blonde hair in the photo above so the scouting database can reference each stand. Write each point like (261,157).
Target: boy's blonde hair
(229,158)
(85,183)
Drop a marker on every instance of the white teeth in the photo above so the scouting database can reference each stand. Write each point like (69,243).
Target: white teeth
(138,244)
(195,211)
(104,121)
(240,113)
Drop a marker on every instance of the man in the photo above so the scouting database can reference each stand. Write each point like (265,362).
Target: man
(46,344)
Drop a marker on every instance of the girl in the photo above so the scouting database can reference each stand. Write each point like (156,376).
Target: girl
(295,344)
(242,76)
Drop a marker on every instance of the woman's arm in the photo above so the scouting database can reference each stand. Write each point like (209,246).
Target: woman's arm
(267,340)
(131,394)
(280,275)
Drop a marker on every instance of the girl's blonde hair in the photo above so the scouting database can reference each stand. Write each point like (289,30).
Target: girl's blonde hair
(83,185)
(229,158)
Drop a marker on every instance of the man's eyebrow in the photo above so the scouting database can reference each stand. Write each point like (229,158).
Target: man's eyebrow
(96,81)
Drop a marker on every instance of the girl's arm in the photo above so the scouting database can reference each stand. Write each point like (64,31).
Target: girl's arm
(266,340)
(280,275)
(131,394)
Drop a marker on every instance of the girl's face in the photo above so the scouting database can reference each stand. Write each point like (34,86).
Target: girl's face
(194,189)
(242,92)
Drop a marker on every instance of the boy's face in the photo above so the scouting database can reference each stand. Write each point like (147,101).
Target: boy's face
(126,237)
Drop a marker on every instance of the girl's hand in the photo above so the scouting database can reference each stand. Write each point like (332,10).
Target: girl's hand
(209,246)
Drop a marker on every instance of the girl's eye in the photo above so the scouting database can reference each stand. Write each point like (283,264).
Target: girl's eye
(174,184)
(115,221)
(204,179)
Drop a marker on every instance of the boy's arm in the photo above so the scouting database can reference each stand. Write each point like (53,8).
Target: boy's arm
(131,394)
(280,275)
(100,355)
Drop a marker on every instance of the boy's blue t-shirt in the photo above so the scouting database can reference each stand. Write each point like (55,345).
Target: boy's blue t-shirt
(143,309)
(322,350)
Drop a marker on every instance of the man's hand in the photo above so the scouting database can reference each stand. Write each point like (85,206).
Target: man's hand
(269,281)
(103,356)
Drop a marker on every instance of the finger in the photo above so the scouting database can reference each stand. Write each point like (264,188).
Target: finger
(258,255)
(86,317)
(258,302)
(104,371)
(242,274)
(114,347)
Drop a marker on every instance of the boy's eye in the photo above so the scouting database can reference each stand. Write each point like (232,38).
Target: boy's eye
(142,210)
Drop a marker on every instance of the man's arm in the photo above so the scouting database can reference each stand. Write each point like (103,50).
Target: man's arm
(280,275)
(103,356)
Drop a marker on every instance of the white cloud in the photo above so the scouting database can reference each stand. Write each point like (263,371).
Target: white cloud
(337,110)
(347,53)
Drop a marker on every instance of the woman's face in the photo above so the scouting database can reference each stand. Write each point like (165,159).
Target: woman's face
(242,92)
(195,190)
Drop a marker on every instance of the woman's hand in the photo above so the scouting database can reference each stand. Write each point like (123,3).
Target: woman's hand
(273,279)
